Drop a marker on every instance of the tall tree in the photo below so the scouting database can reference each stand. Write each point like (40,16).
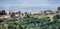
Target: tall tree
(19,12)
(58,8)
(2,12)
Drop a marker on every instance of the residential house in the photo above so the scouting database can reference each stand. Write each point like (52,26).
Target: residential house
(38,13)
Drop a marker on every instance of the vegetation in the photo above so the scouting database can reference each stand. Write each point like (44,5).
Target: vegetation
(39,22)
(58,8)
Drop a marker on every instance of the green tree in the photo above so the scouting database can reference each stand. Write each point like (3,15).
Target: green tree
(59,8)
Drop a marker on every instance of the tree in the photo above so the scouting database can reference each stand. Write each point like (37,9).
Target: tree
(47,12)
(2,12)
(26,14)
(58,8)
(19,12)
(57,16)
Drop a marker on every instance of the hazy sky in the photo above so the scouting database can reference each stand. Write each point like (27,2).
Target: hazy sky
(29,5)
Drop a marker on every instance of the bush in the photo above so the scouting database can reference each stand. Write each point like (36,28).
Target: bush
(40,22)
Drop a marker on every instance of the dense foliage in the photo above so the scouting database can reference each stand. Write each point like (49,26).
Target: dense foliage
(39,22)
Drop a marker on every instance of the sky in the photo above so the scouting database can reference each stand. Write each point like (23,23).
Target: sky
(29,5)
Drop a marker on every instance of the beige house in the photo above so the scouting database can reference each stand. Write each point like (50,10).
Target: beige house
(38,13)
(35,13)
